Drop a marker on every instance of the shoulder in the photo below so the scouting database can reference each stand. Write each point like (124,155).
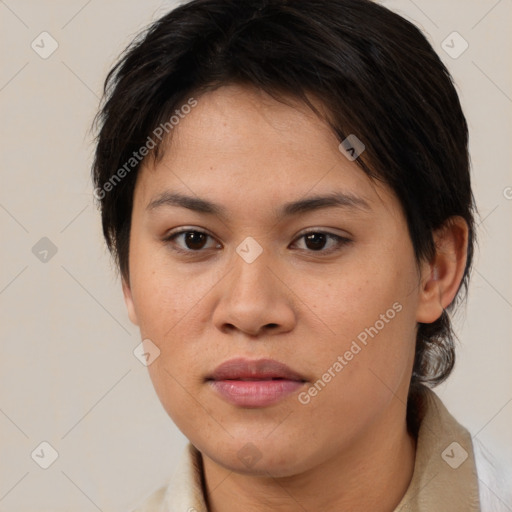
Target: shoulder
(183,491)
(494,480)
(154,502)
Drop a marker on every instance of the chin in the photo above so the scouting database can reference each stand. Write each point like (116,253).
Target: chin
(258,457)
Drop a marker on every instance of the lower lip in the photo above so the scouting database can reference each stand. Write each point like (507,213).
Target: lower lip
(255,393)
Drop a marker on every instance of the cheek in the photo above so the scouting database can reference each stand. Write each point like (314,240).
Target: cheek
(166,297)
(356,297)
(170,306)
(371,314)
(362,368)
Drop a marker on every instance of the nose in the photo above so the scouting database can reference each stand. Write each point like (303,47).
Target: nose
(255,298)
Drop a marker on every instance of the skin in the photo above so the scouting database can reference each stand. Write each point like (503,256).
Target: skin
(250,154)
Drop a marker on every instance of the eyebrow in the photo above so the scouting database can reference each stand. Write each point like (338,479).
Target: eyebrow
(312,203)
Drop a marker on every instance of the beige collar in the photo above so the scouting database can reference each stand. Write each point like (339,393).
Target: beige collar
(444,475)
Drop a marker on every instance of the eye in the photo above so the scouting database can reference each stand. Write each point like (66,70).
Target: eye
(192,240)
(317,240)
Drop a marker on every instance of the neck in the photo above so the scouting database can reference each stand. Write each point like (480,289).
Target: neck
(373,474)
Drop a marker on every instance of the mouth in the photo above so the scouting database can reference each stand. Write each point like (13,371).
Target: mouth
(254,383)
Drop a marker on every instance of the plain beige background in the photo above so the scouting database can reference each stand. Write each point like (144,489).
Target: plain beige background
(68,373)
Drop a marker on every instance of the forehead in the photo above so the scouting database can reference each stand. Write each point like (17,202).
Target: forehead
(238,144)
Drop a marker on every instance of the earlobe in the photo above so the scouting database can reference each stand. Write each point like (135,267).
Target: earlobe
(441,277)
(128,299)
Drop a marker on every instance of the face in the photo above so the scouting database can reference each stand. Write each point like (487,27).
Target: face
(252,272)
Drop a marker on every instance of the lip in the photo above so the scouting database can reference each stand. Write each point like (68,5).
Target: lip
(254,383)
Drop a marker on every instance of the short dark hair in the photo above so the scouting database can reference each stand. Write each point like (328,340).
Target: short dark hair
(374,71)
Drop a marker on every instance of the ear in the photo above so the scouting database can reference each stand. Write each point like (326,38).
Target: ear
(441,277)
(128,299)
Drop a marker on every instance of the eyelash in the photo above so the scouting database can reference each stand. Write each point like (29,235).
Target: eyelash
(340,241)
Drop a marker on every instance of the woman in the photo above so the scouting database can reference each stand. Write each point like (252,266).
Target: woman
(285,187)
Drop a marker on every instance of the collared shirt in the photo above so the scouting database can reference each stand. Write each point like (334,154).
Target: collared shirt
(444,478)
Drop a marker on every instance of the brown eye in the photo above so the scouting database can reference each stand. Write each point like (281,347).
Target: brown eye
(195,240)
(319,241)
(189,240)
(315,241)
